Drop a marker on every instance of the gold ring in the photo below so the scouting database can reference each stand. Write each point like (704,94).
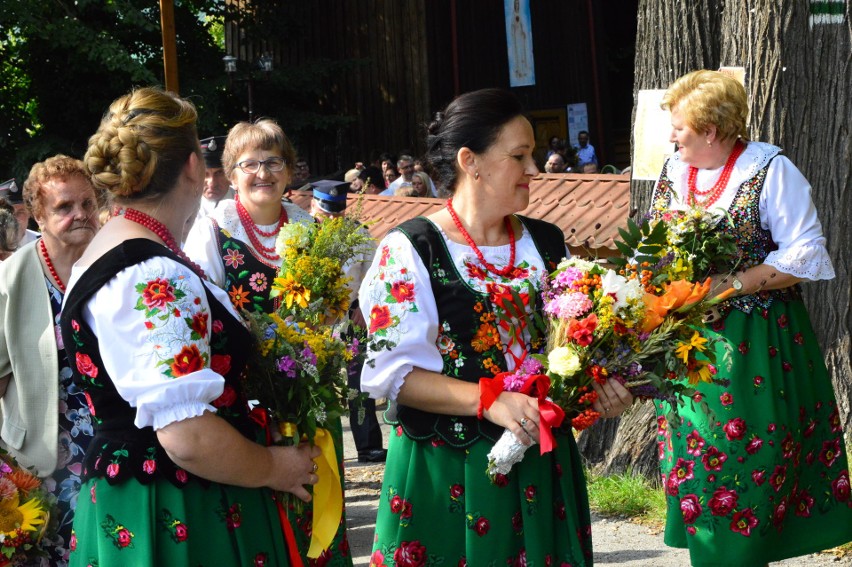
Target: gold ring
(316,468)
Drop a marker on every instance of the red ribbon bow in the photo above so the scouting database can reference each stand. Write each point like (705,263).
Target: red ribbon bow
(536,385)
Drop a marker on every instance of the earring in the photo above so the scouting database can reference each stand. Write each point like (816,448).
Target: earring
(709,144)
(476,175)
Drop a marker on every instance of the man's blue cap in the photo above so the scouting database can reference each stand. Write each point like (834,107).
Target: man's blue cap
(330,194)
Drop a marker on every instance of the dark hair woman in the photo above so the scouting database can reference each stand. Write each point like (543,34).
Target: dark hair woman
(431,295)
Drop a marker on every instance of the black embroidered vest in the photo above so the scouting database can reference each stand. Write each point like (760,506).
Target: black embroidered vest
(754,243)
(248,279)
(460,308)
(119,450)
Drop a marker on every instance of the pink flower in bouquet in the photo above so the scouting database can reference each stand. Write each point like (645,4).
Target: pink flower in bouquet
(569,305)
(566,278)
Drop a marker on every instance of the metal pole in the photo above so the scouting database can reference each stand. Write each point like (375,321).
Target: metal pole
(167,27)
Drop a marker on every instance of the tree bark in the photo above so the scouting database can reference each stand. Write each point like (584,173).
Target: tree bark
(797,80)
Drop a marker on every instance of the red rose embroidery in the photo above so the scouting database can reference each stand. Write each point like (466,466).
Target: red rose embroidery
(158,293)
(727,399)
(754,445)
(723,502)
(830,452)
(112,470)
(402,291)
(481,526)
(181,532)
(777,478)
(779,513)
(396,504)
(220,363)
(124,537)
(182,476)
(713,459)
(188,360)
(234,517)
(694,443)
(456,491)
(758,476)
(744,522)
(89,403)
(804,504)
(72,543)
(840,487)
(735,429)
(218,326)
(501,480)
(380,318)
(227,399)
(410,554)
(530,493)
(149,466)
(690,507)
(85,365)
(199,324)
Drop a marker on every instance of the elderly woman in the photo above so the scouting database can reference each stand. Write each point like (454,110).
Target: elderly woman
(46,423)
(236,248)
(433,295)
(767,478)
(174,475)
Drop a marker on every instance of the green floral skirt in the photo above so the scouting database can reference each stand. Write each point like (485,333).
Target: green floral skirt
(767,478)
(439,507)
(159,524)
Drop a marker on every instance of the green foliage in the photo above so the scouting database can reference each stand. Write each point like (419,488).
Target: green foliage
(627,495)
(62,63)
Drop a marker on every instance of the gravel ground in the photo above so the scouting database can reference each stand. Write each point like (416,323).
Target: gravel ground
(616,541)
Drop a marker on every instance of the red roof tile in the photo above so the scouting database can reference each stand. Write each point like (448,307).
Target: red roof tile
(588,208)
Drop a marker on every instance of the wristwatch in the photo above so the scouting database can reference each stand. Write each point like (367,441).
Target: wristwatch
(737,285)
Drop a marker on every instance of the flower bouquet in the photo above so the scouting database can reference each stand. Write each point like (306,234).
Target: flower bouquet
(24,513)
(642,324)
(298,372)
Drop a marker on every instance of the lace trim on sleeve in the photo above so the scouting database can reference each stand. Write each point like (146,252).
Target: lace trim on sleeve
(807,262)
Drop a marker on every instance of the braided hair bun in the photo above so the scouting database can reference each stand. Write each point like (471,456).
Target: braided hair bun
(142,142)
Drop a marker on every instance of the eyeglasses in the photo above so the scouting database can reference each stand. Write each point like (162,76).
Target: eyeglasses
(273,164)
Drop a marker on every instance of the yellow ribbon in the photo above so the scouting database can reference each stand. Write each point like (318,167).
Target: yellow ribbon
(328,496)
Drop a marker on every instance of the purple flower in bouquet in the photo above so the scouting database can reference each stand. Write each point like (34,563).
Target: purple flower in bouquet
(288,366)
(353,348)
(513,382)
(309,355)
(531,366)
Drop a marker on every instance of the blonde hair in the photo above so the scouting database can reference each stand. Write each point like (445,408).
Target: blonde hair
(142,144)
(710,98)
(265,134)
(59,168)
(427,189)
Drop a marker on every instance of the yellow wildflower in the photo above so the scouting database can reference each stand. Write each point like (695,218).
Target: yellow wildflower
(293,291)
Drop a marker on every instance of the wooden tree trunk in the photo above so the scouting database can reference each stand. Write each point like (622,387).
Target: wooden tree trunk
(797,79)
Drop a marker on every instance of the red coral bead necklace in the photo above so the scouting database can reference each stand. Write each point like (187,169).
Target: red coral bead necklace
(707,197)
(162,232)
(50,267)
(505,271)
(253,231)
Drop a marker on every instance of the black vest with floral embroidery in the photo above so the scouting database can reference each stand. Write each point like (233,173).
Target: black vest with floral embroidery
(460,308)
(119,450)
(248,279)
(754,243)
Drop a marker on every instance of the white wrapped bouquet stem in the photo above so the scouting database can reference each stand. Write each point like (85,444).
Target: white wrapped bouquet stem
(505,453)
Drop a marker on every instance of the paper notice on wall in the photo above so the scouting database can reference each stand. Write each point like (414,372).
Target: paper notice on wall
(651,135)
